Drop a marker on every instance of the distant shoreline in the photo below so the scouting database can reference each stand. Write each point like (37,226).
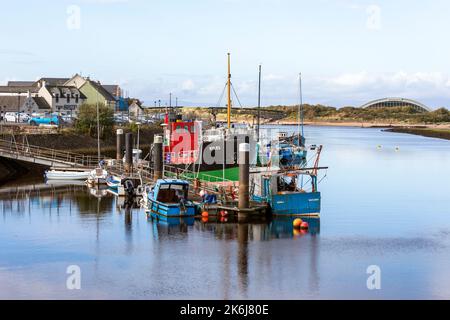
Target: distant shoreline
(439,131)
(361,124)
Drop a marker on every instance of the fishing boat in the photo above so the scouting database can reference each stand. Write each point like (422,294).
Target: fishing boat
(285,192)
(66,174)
(169,198)
(97,176)
(286,152)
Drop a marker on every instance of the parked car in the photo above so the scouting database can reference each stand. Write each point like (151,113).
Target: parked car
(49,119)
(13,116)
(10,116)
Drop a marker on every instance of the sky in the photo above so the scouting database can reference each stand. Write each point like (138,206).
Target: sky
(349,52)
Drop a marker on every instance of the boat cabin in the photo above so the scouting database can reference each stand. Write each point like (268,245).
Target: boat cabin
(171,191)
(286,196)
(169,198)
(181,141)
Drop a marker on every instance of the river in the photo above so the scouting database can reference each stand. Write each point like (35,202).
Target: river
(385,203)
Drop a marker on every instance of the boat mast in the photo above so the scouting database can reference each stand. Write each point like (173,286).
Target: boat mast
(229,93)
(300,112)
(259,103)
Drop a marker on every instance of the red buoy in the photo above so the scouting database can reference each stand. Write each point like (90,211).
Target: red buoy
(304,225)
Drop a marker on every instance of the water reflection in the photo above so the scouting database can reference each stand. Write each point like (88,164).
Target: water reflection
(95,210)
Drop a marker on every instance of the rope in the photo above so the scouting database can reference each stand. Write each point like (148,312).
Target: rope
(232,87)
(221,96)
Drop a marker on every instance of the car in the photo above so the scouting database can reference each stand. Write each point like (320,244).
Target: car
(23,117)
(10,116)
(13,116)
(46,119)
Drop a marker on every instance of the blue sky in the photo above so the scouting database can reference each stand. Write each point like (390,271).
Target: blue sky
(348,51)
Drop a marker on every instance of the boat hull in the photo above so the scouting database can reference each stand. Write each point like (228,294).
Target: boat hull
(66,175)
(170,210)
(295,204)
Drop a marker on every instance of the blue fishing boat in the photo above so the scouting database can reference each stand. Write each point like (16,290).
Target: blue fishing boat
(285,197)
(169,198)
(286,193)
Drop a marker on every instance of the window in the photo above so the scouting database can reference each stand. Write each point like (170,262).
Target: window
(76,98)
(68,98)
(57,98)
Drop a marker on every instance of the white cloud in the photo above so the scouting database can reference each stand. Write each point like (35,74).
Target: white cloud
(188,85)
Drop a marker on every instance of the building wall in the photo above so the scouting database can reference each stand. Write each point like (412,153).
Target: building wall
(135,110)
(62,103)
(92,96)
(76,81)
(30,106)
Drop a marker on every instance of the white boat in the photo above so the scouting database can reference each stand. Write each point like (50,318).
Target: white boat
(97,177)
(66,175)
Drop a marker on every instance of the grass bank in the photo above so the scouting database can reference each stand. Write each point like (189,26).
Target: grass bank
(425,132)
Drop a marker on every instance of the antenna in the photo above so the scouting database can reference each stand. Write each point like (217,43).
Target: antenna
(259,104)
(300,110)
(229,93)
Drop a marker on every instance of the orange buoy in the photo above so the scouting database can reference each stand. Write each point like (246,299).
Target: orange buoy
(205,219)
(297,233)
(205,214)
(304,225)
(297,223)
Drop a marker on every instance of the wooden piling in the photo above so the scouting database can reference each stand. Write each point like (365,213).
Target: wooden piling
(129,152)
(158,157)
(119,145)
(244,175)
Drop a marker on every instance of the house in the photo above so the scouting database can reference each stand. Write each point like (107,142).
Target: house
(61,97)
(51,81)
(135,109)
(15,91)
(20,83)
(62,94)
(12,103)
(96,93)
(36,105)
(114,89)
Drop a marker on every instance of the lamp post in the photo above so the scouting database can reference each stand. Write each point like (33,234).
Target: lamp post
(98,128)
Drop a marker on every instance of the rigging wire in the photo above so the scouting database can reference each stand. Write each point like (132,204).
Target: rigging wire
(221,96)
(240,104)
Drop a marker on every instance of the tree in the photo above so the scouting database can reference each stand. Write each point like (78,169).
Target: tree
(87,120)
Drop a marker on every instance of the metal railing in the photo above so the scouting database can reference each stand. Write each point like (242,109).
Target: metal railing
(58,157)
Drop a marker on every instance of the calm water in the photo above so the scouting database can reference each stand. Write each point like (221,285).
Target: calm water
(381,206)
